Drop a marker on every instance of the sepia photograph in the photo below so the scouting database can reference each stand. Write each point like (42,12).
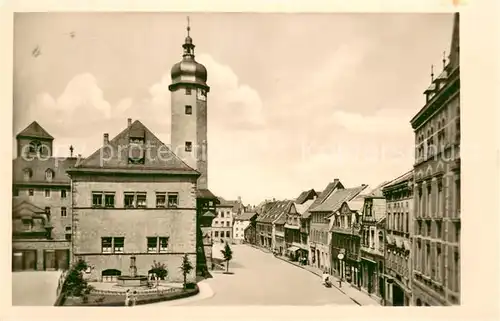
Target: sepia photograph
(236,159)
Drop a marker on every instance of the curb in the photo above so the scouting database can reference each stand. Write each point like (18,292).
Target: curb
(333,283)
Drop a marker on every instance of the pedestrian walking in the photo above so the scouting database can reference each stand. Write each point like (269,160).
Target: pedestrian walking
(134,298)
(127,298)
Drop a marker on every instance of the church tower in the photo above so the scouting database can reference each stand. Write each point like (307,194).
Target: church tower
(189,111)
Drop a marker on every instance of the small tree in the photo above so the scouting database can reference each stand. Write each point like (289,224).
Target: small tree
(227,253)
(186,268)
(159,270)
(74,284)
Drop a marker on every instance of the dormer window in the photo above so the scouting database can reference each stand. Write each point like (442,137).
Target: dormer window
(28,173)
(49,174)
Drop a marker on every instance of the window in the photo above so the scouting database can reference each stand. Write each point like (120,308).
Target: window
(97,199)
(48,174)
(222,214)
(228,234)
(380,241)
(160,200)
(227,224)
(438,229)
(216,233)
(128,200)
(457,197)
(27,174)
(47,210)
(63,211)
(63,193)
(438,264)
(27,225)
(141,200)
(67,236)
(109,200)
(47,193)
(173,199)
(189,110)
(31,192)
(68,228)
(118,244)
(106,245)
(163,244)
(427,259)
(152,243)
(188,147)
(188,91)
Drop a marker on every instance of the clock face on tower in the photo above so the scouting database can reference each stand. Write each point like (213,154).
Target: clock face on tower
(201,94)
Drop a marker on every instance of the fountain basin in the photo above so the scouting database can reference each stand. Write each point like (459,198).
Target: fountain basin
(132,281)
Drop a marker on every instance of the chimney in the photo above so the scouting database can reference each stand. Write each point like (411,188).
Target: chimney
(106,138)
(274,200)
(129,122)
(239,199)
(336,180)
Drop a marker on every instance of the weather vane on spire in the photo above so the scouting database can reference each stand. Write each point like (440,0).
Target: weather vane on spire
(188,27)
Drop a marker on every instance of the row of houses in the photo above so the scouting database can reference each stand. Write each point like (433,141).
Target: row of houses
(398,241)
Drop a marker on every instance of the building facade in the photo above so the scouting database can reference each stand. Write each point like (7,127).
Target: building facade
(437,225)
(241,222)
(222,225)
(345,237)
(297,227)
(131,207)
(317,225)
(373,242)
(398,246)
(41,208)
(264,226)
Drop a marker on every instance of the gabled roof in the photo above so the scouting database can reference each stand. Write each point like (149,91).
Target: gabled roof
(159,159)
(206,194)
(305,196)
(356,204)
(236,206)
(34,130)
(23,208)
(302,208)
(335,200)
(245,216)
(38,167)
(336,184)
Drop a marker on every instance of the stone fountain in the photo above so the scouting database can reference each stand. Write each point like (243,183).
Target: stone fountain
(132,280)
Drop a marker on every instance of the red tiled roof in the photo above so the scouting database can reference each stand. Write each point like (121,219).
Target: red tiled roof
(34,130)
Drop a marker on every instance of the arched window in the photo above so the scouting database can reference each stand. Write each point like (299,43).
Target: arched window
(381,240)
(110,275)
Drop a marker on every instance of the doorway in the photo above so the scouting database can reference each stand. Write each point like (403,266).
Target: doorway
(398,296)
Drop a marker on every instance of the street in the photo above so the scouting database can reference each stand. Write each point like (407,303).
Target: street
(34,288)
(261,279)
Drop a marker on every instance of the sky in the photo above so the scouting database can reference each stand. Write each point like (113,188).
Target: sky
(296,100)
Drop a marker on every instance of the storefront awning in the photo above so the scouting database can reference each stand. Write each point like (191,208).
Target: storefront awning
(293,248)
(368,260)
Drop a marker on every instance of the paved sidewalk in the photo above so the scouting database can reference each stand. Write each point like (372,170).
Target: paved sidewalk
(359,297)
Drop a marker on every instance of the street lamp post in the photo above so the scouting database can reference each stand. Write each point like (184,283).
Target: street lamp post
(340,257)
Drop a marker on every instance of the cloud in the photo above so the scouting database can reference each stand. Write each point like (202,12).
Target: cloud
(384,121)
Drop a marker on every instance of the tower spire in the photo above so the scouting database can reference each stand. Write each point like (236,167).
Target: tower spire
(188,27)
(432,72)
(444,59)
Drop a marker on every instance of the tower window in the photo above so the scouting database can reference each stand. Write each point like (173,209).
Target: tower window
(189,110)
(188,91)
(189,146)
